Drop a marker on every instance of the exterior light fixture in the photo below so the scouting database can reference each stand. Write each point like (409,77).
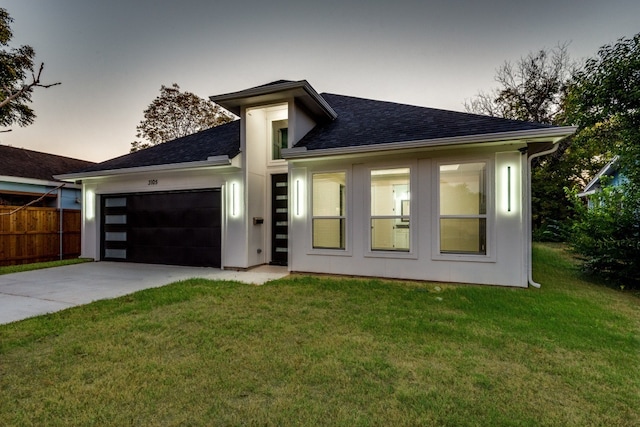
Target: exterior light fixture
(234,199)
(89,205)
(508,188)
(297,197)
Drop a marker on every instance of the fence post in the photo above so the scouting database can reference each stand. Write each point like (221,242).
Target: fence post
(60,219)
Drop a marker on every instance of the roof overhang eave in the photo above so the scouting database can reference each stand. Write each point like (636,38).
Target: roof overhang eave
(586,193)
(35,181)
(553,135)
(300,90)
(214,161)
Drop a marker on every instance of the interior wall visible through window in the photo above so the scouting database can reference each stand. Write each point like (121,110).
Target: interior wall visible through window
(463,208)
(390,209)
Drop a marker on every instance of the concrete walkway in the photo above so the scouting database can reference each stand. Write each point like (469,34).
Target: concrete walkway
(37,292)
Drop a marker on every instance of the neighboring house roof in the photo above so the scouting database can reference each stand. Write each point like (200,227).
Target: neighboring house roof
(345,121)
(23,163)
(593,185)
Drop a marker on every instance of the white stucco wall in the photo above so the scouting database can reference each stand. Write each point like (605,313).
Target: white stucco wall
(504,263)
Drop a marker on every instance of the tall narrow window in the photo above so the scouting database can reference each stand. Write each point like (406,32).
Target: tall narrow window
(279,138)
(329,210)
(463,210)
(390,209)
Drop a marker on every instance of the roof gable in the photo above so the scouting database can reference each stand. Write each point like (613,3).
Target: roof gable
(610,169)
(23,163)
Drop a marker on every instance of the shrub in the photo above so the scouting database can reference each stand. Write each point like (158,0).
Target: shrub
(552,231)
(606,235)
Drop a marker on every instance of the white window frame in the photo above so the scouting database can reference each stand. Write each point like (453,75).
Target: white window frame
(490,255)
(414,192)
(274,113)
(348,233)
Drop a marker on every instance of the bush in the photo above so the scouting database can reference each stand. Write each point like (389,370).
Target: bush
(552,231)
(606,235)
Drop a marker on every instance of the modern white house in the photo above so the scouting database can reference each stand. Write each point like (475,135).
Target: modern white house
(326,183)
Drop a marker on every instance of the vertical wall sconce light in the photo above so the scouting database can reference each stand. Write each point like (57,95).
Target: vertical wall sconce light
(508,188)
(234,199)
(297,197)
(89,201)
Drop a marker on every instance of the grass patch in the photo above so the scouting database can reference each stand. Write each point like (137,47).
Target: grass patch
(40,265)
(327,351)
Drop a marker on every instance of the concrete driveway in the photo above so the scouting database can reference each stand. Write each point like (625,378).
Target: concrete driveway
(37,292)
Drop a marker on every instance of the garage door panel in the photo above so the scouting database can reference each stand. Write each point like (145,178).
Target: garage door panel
(180,228)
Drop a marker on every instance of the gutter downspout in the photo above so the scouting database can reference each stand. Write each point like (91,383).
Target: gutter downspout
(529,220)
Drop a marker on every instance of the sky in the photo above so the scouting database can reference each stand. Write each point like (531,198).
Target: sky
(112,56)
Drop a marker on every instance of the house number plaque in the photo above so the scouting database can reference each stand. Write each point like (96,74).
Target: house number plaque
(153,182)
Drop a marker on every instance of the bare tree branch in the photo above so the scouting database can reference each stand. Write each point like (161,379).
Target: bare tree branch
(10,95)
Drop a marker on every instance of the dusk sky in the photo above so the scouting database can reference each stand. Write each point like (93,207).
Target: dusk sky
(112,55)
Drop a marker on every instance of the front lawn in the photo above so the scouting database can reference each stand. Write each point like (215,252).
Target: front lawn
(326,351)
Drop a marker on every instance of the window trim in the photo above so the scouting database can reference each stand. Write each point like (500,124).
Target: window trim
(348,236)
(414,191)
(489,216)
(275,112)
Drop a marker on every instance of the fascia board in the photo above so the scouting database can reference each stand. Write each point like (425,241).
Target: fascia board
(210,162)
(555,134)
(34,181)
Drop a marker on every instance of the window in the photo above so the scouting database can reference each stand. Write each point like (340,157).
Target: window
(329,210)
(279,138)
(463,208)
(390,209)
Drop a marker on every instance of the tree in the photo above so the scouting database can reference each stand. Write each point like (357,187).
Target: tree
(606,94)
(18,78)
(174,114)
(535,89)
(532,90)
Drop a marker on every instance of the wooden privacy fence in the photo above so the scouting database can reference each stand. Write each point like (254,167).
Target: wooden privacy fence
(38,234)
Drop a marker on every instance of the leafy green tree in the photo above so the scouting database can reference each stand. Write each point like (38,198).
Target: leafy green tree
(606,95)
(174,114)
(18,78)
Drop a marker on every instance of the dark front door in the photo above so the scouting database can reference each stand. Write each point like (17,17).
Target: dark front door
(279,219)
(179,228)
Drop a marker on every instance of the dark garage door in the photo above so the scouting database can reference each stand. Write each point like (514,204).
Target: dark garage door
(176,228)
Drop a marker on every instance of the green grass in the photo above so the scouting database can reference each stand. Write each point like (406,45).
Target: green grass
(326,351)
(40,265)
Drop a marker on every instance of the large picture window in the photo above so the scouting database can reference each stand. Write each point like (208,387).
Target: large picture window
(463,208)
(390,209)
(329,210)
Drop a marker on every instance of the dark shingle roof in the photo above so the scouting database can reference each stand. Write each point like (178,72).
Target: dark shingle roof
(36,165)
(275,83)
(360,122)
(368,122)
(218,141)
